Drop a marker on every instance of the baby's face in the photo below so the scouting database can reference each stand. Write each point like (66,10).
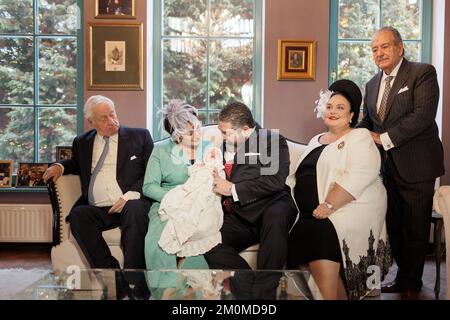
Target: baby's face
(213,155)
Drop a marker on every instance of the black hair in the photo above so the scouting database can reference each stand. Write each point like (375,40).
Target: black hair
(238,114)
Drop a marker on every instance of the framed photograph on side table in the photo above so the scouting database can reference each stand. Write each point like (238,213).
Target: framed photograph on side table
(30,175)
(6,169)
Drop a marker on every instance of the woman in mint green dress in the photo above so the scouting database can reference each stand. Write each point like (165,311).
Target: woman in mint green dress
(167,168)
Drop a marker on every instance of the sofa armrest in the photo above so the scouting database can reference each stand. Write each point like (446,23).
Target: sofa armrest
(63,195)
(441,204)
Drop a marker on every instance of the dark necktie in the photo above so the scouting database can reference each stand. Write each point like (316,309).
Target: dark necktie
(387,89)
(228,202)
(96,170)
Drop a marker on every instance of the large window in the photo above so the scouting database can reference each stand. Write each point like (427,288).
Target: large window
(39,79)
(207,53)
(353,23)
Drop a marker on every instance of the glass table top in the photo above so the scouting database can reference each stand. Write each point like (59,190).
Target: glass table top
(109,284)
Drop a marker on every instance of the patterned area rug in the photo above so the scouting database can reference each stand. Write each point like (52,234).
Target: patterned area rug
(12,281)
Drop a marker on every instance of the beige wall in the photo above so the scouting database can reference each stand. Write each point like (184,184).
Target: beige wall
(130,105)
(289,105)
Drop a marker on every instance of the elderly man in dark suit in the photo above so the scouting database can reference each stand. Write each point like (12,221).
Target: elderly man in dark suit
(400,107)
(111,160)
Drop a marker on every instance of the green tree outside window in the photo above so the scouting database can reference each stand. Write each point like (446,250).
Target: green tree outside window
(207,53)
(353,23)
(38,77)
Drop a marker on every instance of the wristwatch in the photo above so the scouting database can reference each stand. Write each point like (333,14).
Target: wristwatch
(329,206)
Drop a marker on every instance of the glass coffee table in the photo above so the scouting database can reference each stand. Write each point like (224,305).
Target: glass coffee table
(109,284)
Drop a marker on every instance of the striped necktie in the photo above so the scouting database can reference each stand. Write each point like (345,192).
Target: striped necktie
(96,170)
(387,89)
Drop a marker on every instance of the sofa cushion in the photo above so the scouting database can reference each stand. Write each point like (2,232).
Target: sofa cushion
(112,237)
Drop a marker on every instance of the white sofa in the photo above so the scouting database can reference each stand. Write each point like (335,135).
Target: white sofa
(441,205)
(68,190)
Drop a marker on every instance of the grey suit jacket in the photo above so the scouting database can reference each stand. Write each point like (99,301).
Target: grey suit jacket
(409,120)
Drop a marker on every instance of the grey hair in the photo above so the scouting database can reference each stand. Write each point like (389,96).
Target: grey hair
(397,36)
(177,116)
(94,101)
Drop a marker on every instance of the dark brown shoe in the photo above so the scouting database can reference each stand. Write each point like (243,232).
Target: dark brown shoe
(391,287)
(410,295)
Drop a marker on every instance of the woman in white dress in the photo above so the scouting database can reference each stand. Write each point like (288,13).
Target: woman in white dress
(341,200)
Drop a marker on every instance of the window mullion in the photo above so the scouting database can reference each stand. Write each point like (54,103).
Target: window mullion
(36,79)
(208,59)
(380,14)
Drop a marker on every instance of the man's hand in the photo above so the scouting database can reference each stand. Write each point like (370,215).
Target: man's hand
(55,171)
(118,206)
(221,186)
(322,212)
(376,138)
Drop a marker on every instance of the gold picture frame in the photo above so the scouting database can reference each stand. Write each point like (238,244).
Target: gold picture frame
(296,59)
(115,56)
(6,169)
(115,9)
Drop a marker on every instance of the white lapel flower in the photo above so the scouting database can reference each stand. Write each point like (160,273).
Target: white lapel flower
(321,104)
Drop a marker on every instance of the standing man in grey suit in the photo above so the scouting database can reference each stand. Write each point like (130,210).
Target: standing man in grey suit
(400,107)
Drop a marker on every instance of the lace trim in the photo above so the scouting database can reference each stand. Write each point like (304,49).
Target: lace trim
(191,248)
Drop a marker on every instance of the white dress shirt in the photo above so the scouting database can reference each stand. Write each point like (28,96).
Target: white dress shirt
(384,137)
(106,189)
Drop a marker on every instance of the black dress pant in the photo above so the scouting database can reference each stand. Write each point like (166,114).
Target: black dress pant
(88,222)
(238,234)
(408,222)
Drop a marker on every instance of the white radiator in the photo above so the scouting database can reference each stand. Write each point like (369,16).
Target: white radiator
(26,223)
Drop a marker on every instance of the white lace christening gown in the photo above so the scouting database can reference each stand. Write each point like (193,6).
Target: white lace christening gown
(193,212)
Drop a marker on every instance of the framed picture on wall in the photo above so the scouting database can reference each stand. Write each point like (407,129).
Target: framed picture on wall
(116,56)
(31,175)
(115,9)
(63,153)
(296,60)
(6,168)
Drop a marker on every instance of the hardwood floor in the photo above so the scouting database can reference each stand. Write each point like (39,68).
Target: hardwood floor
(428,279)
(29,259)
(26,259)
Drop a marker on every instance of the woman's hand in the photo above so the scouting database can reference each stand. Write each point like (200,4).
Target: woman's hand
(322,212)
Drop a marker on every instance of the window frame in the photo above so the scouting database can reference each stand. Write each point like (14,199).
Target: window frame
(36,106)
(158,37)
(426,41)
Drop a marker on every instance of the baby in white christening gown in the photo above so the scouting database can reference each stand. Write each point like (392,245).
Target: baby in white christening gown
(193,210)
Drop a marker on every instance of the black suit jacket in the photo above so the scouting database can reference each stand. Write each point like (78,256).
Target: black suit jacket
(259,174)
(409,120)
(133,142)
